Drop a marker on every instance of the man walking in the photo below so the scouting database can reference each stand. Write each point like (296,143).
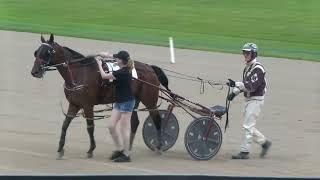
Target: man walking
(253,86)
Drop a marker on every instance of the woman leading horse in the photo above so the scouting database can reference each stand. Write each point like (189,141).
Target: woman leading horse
(83,88)
(119,123)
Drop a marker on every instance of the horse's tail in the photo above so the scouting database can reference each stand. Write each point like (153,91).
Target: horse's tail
(162,77)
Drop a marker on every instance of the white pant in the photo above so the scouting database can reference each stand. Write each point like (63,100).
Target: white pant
(251,112)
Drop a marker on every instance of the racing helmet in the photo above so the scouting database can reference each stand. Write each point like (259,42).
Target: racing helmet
(251,47)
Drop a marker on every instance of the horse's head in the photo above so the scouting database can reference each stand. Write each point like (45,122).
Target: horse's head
(45,56)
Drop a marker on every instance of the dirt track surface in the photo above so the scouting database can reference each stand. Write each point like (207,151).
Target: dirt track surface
(31,117)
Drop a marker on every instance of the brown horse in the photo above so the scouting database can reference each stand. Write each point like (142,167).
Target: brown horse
(83,87)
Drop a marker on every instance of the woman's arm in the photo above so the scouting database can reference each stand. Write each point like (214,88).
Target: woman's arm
(102,73)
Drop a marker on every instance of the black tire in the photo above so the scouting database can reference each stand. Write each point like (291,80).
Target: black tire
(196,145)
(169,133)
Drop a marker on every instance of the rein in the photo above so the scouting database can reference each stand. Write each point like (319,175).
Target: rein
(202,81)
(48,68)
(53,67)
(178,75)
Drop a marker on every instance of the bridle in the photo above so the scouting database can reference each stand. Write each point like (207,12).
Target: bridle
(46,65)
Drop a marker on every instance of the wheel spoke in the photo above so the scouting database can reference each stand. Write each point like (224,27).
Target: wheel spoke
(170,124)
(190,143)
(197,130)
(168,134)
(204,148)
(216,141)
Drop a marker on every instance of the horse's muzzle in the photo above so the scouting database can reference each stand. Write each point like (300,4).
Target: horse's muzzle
(36,74)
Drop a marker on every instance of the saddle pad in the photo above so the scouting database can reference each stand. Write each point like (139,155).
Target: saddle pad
(114,67)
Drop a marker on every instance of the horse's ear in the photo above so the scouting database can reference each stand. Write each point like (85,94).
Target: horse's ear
(51,40)
(42,39)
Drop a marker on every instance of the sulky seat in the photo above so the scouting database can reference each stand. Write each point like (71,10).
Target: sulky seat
(218,110)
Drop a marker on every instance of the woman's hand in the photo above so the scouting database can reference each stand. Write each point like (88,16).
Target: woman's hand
(105,54)
(98,60)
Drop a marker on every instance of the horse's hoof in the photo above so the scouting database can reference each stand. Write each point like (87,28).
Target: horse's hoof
(60,155)
(89,155)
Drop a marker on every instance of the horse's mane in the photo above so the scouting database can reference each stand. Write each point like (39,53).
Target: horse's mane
(75,54)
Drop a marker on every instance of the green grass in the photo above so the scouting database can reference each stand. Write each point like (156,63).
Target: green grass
(281,28)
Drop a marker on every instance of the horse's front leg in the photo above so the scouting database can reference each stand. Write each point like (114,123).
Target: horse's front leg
(88,111)
(72,112)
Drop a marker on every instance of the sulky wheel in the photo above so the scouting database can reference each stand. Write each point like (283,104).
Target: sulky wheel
(170,131)
(203,138)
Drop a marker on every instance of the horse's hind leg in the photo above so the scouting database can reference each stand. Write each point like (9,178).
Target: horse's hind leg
(88,111)
(134,123)
(72,111)
(150,98)
(155,115)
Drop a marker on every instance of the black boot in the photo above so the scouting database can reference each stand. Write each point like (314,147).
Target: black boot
(265,148)
(115,155)
(122,158)
(241,155)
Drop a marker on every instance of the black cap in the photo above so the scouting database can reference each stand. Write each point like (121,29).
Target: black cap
(123,55)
